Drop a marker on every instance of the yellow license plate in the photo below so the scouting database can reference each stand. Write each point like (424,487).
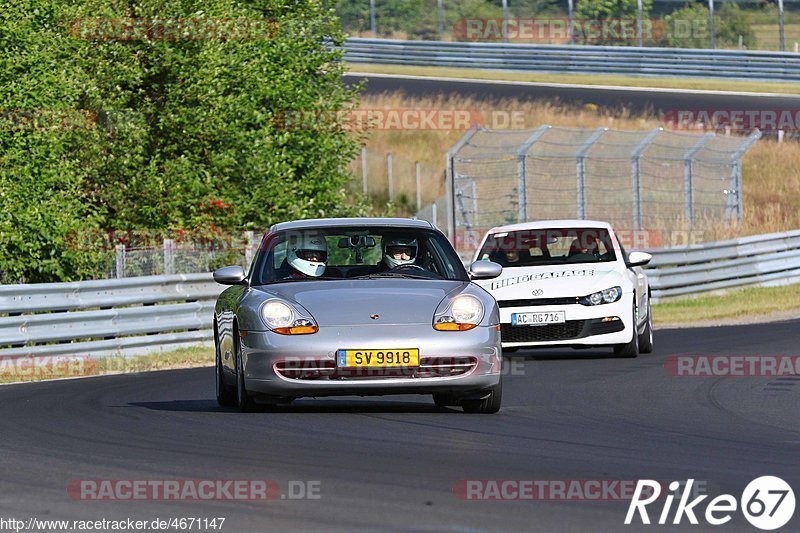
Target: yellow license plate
(377,358)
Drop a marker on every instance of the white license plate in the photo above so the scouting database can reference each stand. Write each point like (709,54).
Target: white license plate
(538,319)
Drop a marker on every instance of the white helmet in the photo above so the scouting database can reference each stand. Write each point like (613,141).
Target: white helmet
(390,244)
(308,254)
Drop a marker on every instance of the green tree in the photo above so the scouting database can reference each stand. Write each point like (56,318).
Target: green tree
(354,15)
(535,8)
(181,124)
(407,16)
(733,22)
(608,22)
(42,144)
(688,27)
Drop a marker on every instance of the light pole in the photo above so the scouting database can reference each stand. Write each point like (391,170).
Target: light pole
(372,18)
(711,24)
(571,9)
(505,18)
(440,18)
(639,15)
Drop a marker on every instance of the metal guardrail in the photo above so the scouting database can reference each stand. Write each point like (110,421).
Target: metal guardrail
(128,316)
(133,316)
(772,259)
(682,62)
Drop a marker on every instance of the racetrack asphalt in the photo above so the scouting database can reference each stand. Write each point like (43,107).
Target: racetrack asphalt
(636,100)
(390,463)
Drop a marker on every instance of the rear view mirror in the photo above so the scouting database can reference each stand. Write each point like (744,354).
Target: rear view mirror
(357,241)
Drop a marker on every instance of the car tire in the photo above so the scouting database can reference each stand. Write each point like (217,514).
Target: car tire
(226,396)
(629,349)
(244,401)
(488,405)
(442,399)
(646,338)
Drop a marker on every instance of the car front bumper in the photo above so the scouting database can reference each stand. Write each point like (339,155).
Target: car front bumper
(305,365)
(586,326)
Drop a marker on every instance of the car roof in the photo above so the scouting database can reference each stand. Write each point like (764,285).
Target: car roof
(343,222)
(545,224)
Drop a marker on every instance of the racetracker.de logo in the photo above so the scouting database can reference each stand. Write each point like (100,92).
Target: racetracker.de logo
(397,119)
(191,489)
(46,367)
(200,238)
(736,120)
(47,119)
(557,30)
(545,489)
(172,29)
(709,366)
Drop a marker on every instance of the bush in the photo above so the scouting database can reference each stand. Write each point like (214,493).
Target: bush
(609,10)
(418,19)
(688,27)
(174,123)
(407,16)
(733,22)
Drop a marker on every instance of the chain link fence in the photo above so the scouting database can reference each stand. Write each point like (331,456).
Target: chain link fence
(181,258)
(636,180)
(387,177)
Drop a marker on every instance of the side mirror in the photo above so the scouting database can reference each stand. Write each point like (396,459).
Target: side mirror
(484,270)
(230,275)
(636,259)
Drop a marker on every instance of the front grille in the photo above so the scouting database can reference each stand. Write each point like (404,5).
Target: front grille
(429,367)
(306,369)
(550,332)
(566,300)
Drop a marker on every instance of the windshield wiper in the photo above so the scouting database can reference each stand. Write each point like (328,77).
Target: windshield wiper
(286,280)
(379,275)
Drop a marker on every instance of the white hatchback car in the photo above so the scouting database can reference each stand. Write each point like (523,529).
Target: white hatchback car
(568,283)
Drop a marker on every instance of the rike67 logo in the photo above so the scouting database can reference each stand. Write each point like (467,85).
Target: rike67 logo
(767,503)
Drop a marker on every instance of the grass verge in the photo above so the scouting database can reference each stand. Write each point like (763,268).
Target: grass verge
(745,303)
(693,84)
(71,366)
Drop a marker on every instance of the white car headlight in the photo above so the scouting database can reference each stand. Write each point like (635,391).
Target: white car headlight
(465,312)
(277,314)
(606,296)
(281,318)
(612,295)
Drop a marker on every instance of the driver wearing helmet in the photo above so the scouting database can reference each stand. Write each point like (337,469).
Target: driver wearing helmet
(307,255)
(398,251)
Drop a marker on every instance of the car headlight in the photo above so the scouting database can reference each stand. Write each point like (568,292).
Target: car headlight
(602,297)
(465,312)
(281,318)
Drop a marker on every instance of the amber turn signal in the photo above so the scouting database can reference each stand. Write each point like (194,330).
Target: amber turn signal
(296,330)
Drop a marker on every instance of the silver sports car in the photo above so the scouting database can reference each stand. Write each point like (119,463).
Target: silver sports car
(358,306)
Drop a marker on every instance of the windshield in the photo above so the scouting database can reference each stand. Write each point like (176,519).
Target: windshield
(368,252)
(551,246)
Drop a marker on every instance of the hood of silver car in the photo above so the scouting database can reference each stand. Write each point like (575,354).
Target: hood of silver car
(369,301)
